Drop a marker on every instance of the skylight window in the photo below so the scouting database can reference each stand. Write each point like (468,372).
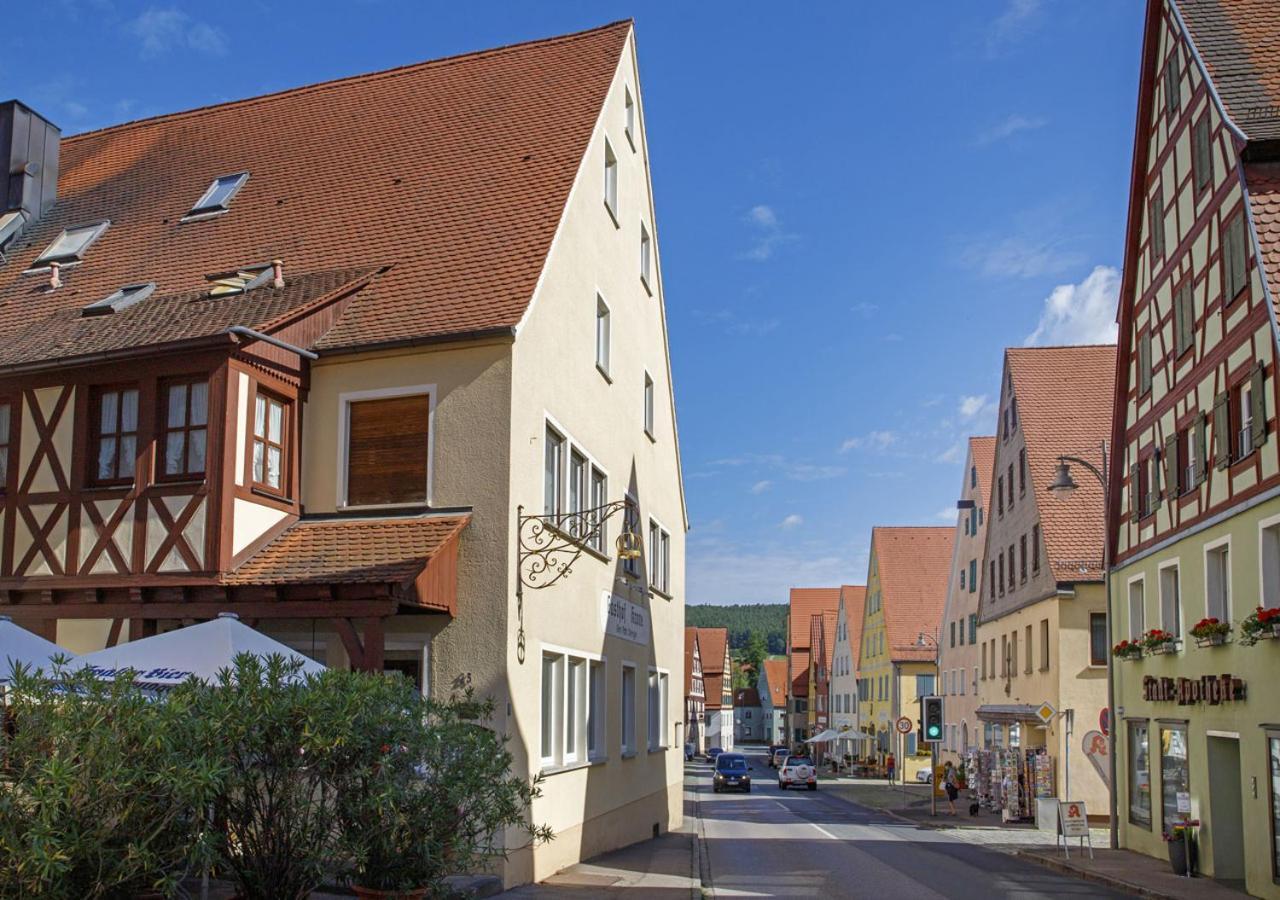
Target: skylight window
(70,245)
(218,196)
(125,297)
(240,281)
(10,224)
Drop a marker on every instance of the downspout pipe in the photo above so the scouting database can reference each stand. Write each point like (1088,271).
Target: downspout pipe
(243,331)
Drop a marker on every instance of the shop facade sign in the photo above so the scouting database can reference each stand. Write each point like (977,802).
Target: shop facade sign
(623,619)
(1211,689)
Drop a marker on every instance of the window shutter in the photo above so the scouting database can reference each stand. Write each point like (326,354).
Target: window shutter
(1153,489)
(1201,448)
(1221,431)
(1171,465)
(1258,406)
(1134,480)
(387,451)
(1144,362)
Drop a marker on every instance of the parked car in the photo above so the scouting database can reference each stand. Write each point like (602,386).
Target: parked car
(689,750)
(713,752)
(731,773)
(774,750)
(925,776)
(779,757)
(797,770)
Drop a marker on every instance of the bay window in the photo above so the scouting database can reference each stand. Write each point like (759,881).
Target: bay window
(270,427)
(114,435)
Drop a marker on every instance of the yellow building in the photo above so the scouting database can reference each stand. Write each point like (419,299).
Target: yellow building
(906,590)
(1196,480)
(1042,616)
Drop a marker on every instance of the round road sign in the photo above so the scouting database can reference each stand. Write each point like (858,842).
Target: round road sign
(904,725)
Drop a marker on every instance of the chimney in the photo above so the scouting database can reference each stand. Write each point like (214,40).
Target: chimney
(28,161)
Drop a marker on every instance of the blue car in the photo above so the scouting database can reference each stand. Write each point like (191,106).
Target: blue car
(731,773)
(713,752)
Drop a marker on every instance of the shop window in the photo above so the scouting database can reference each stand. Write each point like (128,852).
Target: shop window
(184,415)
(1170,601)
(1098,648)
(1175,776)
(1273,756)
(388,450)
(114,436)
(1139,775)
(270,442)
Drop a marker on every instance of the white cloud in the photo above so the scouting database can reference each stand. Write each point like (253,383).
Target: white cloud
(953,454)
(864,308)
(761,486)
(791,521)
(1008,128)
(1017,20)
(736,324)
(161,30)
(1019,257)
(971,406)
(769,233)
(776,462)
(874,440)
(724,572)
(1081,313)
(946,514)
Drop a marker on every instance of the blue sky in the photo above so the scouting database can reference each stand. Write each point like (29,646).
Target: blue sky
(859,207)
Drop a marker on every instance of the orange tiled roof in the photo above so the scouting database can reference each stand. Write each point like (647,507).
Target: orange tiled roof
(1239,41)
(775,676)
(711,644)
(453,172)
(914,566)
(347,550)
(854,597)
(983,450)
(1263,180)
(804,603)
(1065,397)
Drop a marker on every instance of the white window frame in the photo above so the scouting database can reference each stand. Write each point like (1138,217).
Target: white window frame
(649,391)
(1141,581)
(1210,548)
(566,753)
(1274,595)
(646,257)
(1178,626)
(597,724)
(627,749)
(604,336)
(657,717)
(572,445)
(659,557)
(199,210)
(629,111)
(345,400)
(611,181)
(44,261)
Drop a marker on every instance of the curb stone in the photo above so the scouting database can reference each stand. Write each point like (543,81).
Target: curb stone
(1084,874)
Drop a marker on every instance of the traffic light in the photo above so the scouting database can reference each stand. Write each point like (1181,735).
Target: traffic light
(933,728)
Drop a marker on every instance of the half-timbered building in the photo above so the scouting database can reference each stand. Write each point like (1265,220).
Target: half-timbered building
(1195,484)
(381,366)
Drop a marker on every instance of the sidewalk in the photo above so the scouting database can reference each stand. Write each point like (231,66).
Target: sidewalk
(1135,873)
(663,868)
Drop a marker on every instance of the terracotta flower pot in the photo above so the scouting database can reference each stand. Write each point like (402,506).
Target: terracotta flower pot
(375,894)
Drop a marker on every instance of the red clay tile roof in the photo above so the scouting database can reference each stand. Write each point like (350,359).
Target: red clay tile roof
(804,603)
(914,566)
(1263,180)
(455,172)
(854,597)
(1065,397)
(346,550)
(746,697)
(1239,41)
(983,450)
(711,644)
(713,686)
(691,649)
(775,676)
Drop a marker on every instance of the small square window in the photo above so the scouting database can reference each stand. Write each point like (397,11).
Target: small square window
(217,197)
(70,245)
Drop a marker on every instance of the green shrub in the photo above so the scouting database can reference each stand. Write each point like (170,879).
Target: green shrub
(100,794)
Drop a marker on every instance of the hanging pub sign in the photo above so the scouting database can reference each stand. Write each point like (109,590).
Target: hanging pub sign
(1211,689)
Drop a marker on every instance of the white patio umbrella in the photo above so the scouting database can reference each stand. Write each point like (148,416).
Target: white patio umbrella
(821,737)
(20,647)
(202,650)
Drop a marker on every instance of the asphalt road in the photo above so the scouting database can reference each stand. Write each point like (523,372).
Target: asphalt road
(800,843)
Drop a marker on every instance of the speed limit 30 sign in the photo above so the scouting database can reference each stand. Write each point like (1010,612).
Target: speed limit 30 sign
(904,725)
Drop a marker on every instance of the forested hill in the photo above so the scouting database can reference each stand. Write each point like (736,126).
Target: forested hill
(769,620)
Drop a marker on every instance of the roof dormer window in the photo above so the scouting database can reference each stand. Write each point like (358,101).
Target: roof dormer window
(70,245)
(240,281)
(217,198)
(125,297)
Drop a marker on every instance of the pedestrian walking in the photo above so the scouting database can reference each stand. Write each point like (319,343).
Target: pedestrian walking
(951,784)
(889,765)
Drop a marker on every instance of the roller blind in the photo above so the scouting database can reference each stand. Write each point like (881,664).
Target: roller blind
(387,451)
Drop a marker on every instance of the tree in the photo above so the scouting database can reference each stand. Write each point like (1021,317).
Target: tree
(757,650)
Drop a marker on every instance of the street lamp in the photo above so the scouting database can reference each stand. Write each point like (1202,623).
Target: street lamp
(921,638)
(1063,486)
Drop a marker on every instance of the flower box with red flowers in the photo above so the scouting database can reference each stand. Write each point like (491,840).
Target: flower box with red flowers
(1157,641)
(1127,650)
(1261,624)
(1210,632)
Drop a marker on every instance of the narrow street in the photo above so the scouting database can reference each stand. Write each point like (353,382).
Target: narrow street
(797,843)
